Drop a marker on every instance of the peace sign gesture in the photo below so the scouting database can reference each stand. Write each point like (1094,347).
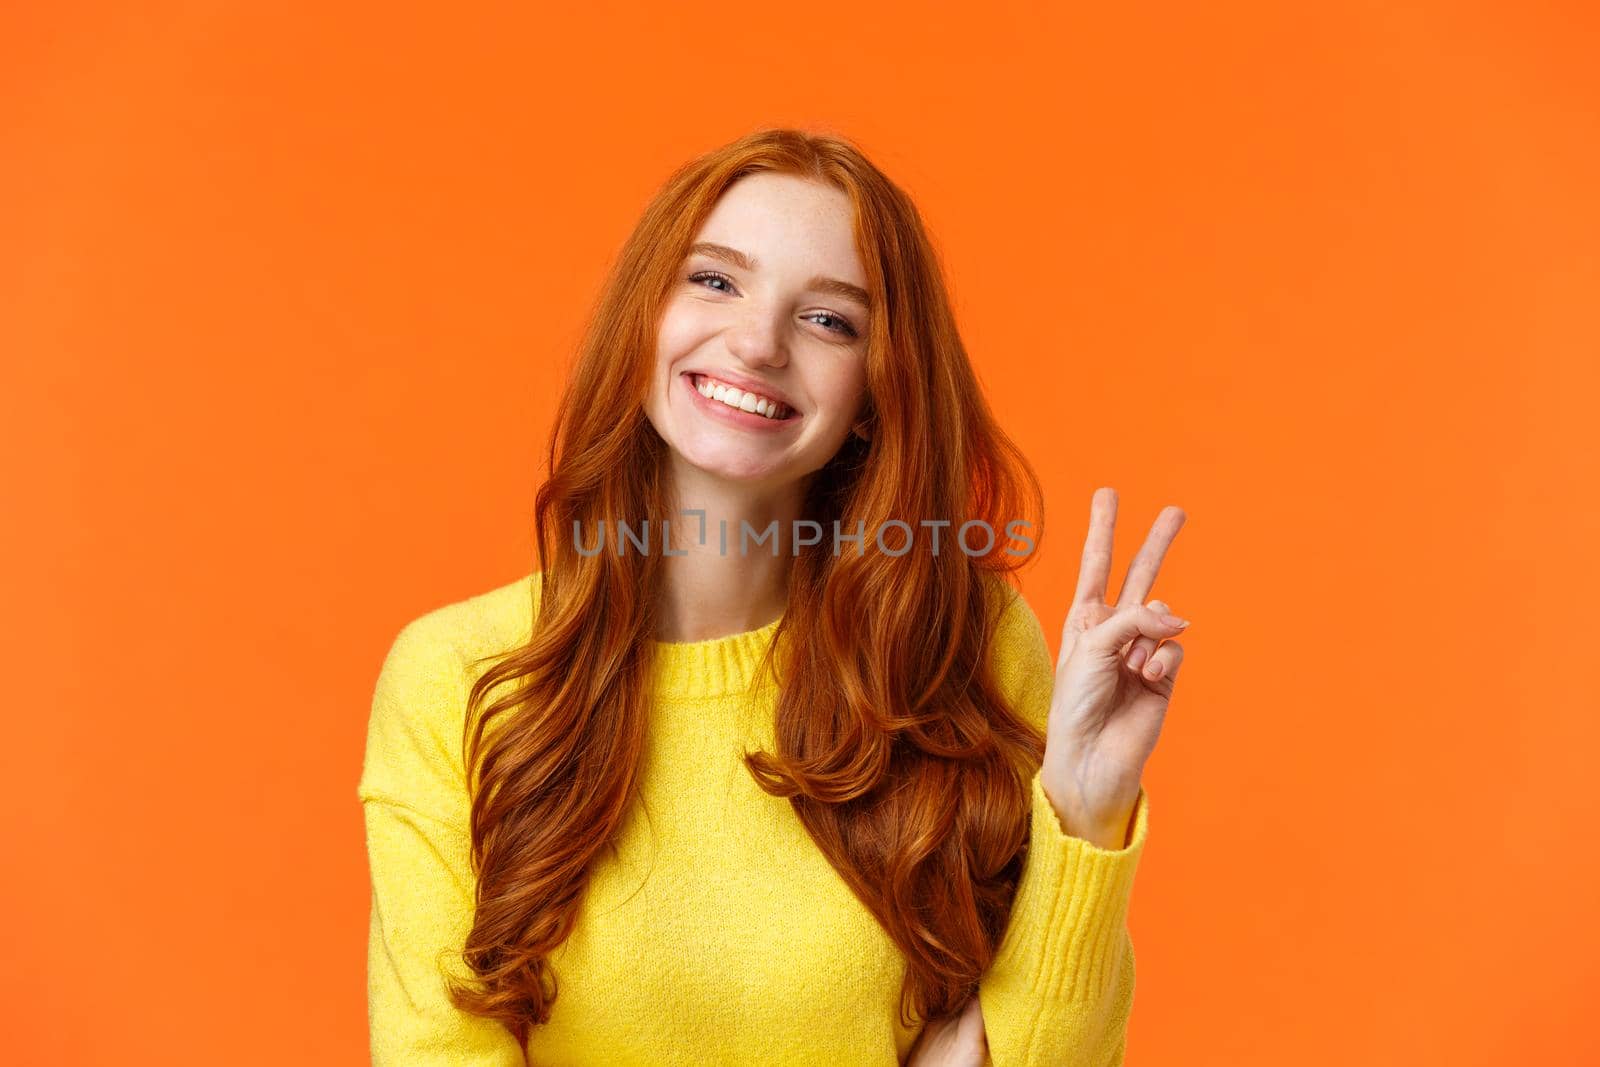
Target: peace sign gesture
(1114,678)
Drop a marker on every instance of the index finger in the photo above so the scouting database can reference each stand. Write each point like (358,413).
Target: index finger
(1142,571)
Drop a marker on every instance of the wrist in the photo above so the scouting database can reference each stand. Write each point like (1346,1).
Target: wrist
(1104,827)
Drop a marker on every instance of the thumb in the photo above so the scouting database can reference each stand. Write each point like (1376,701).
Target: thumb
(1135,621)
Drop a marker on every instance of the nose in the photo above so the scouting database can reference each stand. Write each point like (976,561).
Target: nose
(757,339)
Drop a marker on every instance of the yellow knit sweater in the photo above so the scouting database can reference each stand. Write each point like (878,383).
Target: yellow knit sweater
(718,934)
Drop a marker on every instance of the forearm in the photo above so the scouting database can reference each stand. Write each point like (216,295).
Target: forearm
(1060,988)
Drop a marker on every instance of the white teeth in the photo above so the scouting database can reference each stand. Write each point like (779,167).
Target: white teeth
(751,402)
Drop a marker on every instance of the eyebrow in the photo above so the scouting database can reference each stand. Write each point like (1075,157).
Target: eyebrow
(820,283)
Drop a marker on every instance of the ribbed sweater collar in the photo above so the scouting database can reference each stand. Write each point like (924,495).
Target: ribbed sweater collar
(714,667)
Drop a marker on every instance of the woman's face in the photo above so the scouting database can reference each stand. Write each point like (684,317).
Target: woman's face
(770,305)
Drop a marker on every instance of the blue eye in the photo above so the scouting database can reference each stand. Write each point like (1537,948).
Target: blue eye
(843,326)
(712,274)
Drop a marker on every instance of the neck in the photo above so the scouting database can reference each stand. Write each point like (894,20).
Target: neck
(711,591)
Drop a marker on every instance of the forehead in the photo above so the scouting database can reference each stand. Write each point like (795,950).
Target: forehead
(788,224)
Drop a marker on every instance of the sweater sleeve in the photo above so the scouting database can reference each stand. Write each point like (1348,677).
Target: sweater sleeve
(414,798)
(1060,988)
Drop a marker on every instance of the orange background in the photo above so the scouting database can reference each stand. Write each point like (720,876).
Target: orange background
(285,296)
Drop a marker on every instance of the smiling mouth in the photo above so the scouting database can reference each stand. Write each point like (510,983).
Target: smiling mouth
(739,400)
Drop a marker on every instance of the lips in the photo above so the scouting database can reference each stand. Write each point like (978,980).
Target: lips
(744,384)
(768,404)
(720,411)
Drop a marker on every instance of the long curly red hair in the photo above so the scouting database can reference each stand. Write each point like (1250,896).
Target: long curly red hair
(894,743)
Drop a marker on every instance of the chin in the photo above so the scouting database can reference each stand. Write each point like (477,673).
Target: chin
(730,460)
(735,469)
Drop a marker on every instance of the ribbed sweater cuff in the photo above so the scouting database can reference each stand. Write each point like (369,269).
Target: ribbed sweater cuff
(1067,932)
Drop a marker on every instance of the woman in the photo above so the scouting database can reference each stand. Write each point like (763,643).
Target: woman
(757,767)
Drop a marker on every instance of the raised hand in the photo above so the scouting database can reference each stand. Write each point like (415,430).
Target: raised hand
(1114,679)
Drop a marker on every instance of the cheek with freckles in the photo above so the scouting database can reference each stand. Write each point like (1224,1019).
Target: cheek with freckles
(838,393)
(680,333)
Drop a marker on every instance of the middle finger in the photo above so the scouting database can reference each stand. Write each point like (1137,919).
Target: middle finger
(1094,569)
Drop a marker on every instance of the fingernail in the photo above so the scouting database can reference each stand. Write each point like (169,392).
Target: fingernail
(1155,670)
(1173,620)
(1137,657)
